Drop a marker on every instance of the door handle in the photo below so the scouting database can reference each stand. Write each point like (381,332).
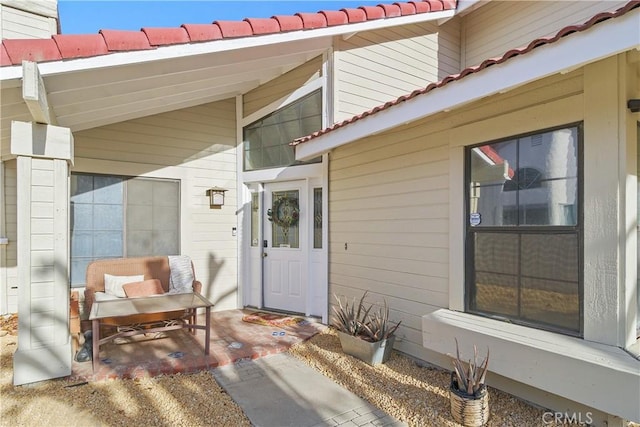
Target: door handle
(264,254)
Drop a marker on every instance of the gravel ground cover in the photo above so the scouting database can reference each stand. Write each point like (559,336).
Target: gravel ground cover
(414,394)
(171,400)
(417,395)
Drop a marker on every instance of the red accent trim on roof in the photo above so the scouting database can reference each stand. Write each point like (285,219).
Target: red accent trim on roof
(472,70)
(31,50)
(4,57)
(263,25)
(233,29)
(120,40)
(166,36)
(312,20)
(202,32)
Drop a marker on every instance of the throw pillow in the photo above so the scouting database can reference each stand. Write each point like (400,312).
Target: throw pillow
(113,284)
(144,288)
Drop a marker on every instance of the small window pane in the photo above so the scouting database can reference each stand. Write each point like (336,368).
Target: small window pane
(255,218)
(266,141)
(317,218)
(551,302)
(550,256)
(282,236)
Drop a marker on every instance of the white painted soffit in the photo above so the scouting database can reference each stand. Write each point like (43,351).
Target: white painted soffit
(191,49)
(573,51)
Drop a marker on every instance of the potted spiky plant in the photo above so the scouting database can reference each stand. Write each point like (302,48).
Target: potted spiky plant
(468,393)
(365,333)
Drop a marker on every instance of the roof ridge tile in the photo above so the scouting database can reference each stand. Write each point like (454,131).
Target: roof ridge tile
(202,32)
(289,22)
(80,45)
(34,50)
(234,29)
(160,36)
(261,26)
(124,40)
(311,21)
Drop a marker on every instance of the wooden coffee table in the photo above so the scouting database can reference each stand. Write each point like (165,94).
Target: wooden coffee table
(188,303)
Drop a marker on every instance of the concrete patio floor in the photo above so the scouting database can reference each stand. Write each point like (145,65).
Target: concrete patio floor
(179,351)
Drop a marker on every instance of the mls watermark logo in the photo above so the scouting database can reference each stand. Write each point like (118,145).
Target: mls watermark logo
(567,418)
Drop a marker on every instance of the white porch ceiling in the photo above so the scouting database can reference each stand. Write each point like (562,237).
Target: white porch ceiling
(99,96)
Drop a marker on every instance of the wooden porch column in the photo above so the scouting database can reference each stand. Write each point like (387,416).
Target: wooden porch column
(43,153)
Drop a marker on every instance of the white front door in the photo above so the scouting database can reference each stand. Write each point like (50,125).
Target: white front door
(285,251)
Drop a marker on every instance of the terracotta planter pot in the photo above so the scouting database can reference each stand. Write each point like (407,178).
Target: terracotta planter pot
(371,352)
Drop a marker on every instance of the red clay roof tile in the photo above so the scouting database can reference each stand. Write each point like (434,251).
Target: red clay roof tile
(31,50)
(232,29)
(312,20)
(406,8)
(422,6)
(373,12)
(166,36)
(335,17)
(289,22)
(355,15)
(86,45)
(80,45)
(202,32)
(391,10)
(121,40)
(472,70)
(263,25)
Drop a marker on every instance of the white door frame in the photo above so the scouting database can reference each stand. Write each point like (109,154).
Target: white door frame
(250,257)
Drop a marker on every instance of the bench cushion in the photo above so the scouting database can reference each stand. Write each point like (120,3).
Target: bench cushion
(143,288)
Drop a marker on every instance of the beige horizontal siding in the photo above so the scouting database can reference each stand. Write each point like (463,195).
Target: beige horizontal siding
(198,146)
(282,86)
(374,67)
(502,25)
(389,208)
(18,24)
(10,266)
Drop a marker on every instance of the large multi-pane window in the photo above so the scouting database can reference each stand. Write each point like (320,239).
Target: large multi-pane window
(524,230)
(115,216)
(266,141)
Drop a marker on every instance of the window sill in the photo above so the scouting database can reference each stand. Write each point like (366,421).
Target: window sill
(593,374)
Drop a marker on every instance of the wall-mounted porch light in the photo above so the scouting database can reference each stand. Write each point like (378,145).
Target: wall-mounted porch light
(216,197)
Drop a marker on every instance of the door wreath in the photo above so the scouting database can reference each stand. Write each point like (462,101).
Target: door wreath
(284,212)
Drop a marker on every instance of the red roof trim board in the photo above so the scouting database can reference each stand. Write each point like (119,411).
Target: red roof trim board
(87,45)
(472,70)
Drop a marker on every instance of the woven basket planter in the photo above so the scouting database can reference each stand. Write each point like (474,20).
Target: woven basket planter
(469,410)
